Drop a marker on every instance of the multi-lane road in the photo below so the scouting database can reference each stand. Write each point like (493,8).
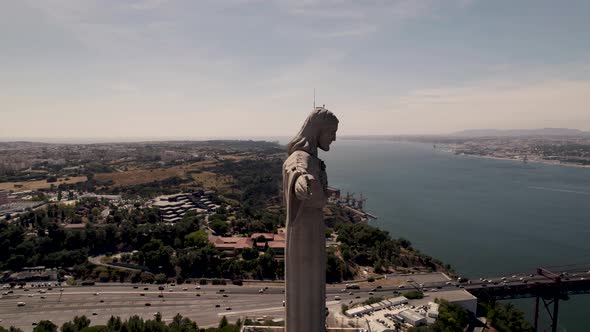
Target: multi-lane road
(205,305)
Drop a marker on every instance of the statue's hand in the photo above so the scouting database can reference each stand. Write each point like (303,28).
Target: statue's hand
(303,186)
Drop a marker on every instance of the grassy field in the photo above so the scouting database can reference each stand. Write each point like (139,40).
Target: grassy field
(39,184)
(213,180)
(139,176)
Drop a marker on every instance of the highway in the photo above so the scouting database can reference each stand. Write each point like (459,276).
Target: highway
(205,305)
(209,303)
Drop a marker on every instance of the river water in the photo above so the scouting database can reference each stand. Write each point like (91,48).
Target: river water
(485,217)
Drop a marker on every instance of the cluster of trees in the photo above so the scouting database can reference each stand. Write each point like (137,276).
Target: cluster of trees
(365,245)
(138,324)
(451,317)
(257,180)
(504,317)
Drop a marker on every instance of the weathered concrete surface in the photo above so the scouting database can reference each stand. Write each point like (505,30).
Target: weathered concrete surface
(305,189)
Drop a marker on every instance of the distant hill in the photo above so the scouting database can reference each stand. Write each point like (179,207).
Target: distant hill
(523,132)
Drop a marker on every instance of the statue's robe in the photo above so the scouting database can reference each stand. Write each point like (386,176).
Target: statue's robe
(305,264)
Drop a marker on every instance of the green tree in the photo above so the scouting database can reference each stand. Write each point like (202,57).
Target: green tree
(81,322)
(160,278)
(220,227)
(196,239)
(45,326)
(114,324)
(11,329)
(68,327)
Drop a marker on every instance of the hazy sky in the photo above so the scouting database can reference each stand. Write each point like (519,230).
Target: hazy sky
(196,68)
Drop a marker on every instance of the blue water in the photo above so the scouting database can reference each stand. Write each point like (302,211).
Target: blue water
(485,217)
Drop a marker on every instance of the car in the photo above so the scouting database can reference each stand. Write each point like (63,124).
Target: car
(47,289)
(20,304)
(374,290)
(61,289)
(357,297)
(160,295)
(26,289)
(96,294)
(198,294)
(94,313)
(217,305)
(101,301)
(260,291)
(43,297)
(135,287)
(225,295)
(228,308)
(185,289)
(156,313)
(141,294)
(223,290)
(5,293)
(371,293)
(30,295)
(146,288)
(172,284)
(161,288)
(337,298)
(34,323)
(353,287)
(171,290)
(198,287)
(147,304)
(351,293)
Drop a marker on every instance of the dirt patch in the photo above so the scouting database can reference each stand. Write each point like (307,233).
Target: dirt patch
(213,180)
(39,184)
(139,176)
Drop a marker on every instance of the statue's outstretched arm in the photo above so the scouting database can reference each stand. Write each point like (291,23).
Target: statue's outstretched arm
(303,186)
(307,187)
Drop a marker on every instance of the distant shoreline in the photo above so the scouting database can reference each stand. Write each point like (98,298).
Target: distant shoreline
(530,161)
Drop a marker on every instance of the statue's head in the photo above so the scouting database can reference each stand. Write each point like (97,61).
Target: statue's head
(318,131)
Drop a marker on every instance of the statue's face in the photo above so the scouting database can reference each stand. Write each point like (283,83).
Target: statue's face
(327,136)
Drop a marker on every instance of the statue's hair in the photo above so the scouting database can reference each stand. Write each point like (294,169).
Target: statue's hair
(307,138)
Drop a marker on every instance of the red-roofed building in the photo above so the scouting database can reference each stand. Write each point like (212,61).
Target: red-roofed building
(266,236)
(231,244)
(276,242)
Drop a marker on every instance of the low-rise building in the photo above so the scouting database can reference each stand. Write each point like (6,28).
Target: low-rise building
(413,318)
(231,245)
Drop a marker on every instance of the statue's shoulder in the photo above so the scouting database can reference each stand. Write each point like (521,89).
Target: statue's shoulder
(298,159)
